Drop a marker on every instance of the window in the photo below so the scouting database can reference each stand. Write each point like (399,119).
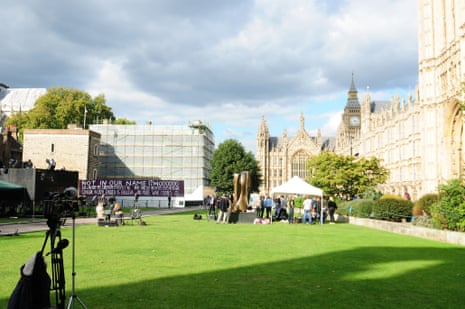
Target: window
(96,150)
(299,165)
(52,148)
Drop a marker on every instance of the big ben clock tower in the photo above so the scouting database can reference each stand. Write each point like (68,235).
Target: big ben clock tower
(348,132)
(352,111)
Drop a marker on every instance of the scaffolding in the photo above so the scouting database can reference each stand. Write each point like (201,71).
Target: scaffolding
(161,152)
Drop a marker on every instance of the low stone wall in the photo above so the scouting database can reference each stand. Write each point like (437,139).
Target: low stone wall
(409,229)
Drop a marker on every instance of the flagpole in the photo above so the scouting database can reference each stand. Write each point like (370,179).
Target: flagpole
(85,114)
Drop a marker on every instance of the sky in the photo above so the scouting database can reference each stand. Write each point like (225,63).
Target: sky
(226,63)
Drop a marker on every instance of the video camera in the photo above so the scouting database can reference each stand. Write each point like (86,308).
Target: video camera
(58,205)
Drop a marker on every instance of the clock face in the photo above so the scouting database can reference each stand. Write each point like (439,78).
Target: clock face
(354,121)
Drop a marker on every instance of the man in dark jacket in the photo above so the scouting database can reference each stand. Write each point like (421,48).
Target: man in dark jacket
(223,206)
(331,209)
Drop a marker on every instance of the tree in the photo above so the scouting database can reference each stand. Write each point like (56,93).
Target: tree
(123,121)
(231,158)
(343,176)
(60,107)
(449,211)
(369,174)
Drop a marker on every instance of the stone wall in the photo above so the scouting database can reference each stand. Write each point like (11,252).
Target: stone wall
(408,228)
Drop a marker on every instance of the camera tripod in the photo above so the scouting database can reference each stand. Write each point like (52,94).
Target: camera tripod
(210,211)
(56,252)
(73,296)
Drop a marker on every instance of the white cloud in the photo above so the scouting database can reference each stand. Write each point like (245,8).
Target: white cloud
(223,62)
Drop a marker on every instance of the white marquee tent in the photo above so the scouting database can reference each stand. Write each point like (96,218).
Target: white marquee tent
(298,186)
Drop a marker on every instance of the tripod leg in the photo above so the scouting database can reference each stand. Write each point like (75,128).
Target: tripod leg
(71,302)
(58,272)
(58,278)
(73,293)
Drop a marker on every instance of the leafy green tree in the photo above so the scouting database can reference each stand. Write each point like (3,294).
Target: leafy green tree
(123,121)
(369,173)
(60,107)
(344,176)
(231,158)
(331,172)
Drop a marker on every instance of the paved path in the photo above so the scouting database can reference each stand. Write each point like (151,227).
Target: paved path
(12,229)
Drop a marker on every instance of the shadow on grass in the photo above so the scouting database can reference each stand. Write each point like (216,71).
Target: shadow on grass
(430,278)
(367,275)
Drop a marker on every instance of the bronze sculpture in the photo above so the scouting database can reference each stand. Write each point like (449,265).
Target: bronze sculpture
(241,191)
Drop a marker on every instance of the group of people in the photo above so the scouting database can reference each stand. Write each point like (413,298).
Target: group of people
(223,204)
(284,208)
(313,212)
(106,207)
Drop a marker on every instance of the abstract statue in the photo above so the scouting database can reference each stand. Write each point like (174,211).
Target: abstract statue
(241,191)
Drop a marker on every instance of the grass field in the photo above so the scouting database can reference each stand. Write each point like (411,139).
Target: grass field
(176,262)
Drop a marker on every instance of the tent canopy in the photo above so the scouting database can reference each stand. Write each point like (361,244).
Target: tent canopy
(12,192)
(297,185)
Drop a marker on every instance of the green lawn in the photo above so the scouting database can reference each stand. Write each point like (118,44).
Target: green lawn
(176,262)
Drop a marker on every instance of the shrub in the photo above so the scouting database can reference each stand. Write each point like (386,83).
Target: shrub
(424,221)
(392,209)
(391,196)
(424,204)
(362,208)
(417,211)
(356,208)
(372,194)
(298,202)
(449,212)
(343,207)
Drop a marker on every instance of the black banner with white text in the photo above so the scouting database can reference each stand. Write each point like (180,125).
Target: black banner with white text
(131,187)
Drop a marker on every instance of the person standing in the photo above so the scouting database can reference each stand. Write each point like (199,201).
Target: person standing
(103,200)
(277,203)
(257,201)
(283,211)
(211,202)
(406,195)
(229,208)
(291,206)
(331,209)
(223,206)
(307,210)
(261,207)
(268,204)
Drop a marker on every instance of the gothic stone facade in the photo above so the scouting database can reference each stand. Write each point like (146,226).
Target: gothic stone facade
(281,158)
(421,139)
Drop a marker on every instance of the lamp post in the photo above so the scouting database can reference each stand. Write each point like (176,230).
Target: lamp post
(350,139)
(85,116)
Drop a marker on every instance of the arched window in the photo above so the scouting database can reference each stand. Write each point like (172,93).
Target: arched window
(299,164)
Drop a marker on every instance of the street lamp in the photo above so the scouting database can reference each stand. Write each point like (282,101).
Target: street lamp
(350,139)
(356,154)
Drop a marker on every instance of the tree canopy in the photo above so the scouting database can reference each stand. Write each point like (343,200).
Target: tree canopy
(60,107)
(123,121)
(343,175)
(231,158)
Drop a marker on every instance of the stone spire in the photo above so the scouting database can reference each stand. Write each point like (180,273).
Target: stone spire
(352,96)
(263,129)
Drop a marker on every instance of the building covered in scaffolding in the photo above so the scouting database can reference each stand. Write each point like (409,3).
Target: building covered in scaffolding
(174,152)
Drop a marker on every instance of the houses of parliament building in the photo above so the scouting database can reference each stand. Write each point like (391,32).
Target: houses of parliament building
(419,139)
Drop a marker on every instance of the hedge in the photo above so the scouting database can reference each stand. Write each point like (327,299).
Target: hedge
(392,209)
